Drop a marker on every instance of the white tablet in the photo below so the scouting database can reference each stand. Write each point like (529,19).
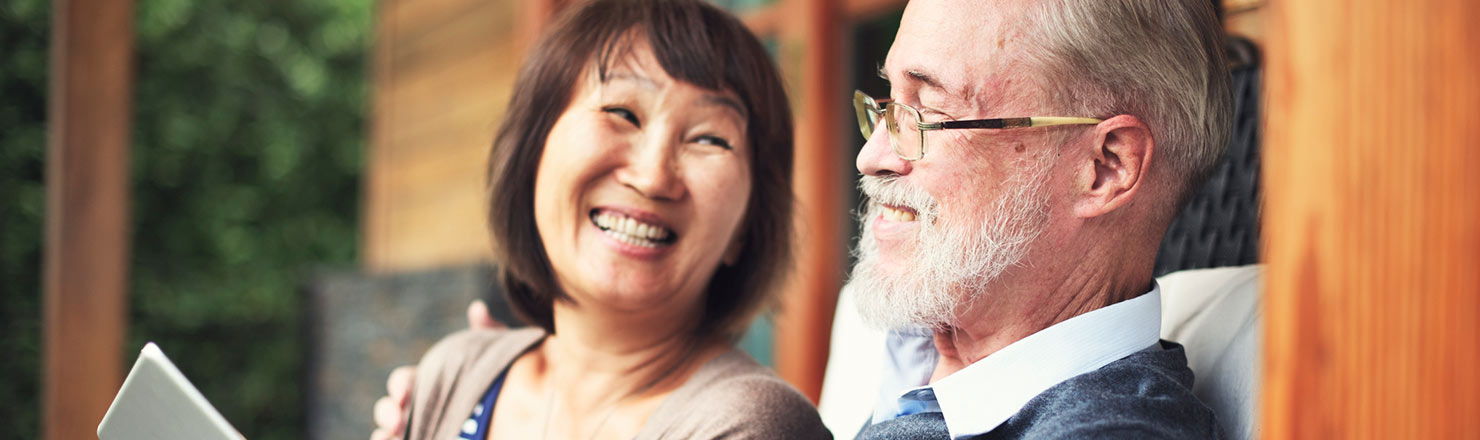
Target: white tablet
(157,402)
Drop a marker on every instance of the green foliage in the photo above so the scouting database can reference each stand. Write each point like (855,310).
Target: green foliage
(23,42)
(246,158)
(248,131)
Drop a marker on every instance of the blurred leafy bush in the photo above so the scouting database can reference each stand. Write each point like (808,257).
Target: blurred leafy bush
(246,159)
(24,27)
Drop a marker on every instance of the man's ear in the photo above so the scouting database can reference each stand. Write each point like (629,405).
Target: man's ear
(1117,166)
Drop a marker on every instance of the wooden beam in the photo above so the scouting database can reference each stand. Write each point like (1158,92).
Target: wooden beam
(87,189)
(770,19)
(804,325)
(865,10)
(1373,219)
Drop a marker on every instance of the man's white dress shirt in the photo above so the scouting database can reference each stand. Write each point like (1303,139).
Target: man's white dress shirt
(981,396)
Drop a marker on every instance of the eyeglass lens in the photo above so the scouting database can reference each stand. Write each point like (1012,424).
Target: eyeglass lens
(902,121)
(904,131)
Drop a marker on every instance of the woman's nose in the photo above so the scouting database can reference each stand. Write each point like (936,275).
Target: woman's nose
(652,170)
(877,157)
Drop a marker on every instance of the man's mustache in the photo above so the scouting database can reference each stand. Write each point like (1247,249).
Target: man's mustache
(891,191)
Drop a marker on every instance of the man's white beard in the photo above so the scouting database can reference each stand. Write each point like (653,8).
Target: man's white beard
(953,260)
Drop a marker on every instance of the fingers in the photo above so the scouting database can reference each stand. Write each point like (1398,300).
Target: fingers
(388,420)
(479,318)
(399,385)
(383,434)
(390,411)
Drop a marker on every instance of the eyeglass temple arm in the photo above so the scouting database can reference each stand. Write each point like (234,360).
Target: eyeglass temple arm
(1036,121)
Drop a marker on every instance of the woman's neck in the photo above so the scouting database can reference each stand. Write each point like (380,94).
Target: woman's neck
(616,354)
(603,372)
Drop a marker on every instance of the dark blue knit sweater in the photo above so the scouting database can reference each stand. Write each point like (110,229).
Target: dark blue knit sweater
(1147,395)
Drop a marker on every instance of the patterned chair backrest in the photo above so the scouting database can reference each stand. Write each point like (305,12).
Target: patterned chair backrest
(1220,224)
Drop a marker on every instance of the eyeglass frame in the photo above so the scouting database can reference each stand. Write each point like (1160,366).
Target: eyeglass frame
(877,109)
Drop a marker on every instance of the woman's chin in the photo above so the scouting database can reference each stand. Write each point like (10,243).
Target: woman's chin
(630,299)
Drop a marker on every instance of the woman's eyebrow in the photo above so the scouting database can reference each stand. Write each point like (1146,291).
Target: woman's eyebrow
(642,81)
(727,102)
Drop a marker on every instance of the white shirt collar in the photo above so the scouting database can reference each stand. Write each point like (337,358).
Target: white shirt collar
(981,396)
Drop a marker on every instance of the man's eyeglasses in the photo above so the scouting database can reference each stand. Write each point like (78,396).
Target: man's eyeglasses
(907,131)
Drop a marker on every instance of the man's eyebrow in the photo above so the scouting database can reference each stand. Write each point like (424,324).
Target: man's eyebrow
(917,75)
(927,79)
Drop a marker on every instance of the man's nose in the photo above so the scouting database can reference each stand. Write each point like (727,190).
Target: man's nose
(877,157)
(652,169)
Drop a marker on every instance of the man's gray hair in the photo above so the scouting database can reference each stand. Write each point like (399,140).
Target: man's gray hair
(1159,60)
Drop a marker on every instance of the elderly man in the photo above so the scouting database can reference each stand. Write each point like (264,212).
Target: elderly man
(1034,154)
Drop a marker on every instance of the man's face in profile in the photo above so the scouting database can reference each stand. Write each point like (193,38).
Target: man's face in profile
(938,231)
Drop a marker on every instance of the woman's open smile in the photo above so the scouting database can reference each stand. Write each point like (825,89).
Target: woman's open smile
(633,228)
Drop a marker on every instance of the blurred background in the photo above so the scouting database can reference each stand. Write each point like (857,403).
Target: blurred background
(245,162)
(286,196)
(297,194)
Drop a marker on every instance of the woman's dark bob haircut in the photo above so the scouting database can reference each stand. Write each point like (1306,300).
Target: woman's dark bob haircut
(695,43)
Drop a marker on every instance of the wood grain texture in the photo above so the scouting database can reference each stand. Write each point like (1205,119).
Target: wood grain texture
(1372,222)
(1245,18)
(442,74)
(87,181)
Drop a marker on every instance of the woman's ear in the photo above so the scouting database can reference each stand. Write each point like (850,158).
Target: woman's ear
(1116,166)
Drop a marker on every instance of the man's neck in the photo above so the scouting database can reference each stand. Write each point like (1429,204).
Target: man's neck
(1002,319)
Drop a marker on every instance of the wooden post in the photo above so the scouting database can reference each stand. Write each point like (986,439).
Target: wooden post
(1373,219)
(87,189)
(804,325)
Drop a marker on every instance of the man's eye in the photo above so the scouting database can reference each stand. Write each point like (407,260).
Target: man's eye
(624,114)
(714,140)
(936,114)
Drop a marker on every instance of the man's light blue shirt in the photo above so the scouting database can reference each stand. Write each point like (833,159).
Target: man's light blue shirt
(981,396)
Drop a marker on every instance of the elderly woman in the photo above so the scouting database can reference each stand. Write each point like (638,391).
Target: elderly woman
(640,208)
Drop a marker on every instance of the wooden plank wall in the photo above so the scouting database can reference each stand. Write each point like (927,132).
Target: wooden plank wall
(442,73)
(1373,219)
(85,277)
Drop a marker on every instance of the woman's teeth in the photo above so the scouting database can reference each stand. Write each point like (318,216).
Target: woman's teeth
(896,215)
(627,230)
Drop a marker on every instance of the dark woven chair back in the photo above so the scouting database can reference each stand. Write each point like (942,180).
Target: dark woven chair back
(1220,224)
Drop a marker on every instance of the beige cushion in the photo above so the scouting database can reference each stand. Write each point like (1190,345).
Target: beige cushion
(1216,315)
(855,368)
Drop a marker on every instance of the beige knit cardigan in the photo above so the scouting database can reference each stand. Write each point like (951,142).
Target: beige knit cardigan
(729,397)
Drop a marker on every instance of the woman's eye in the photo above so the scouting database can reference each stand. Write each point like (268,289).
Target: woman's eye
(714,140)
(624,114)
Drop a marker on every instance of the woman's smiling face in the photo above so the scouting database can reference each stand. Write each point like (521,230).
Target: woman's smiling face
(642,186)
